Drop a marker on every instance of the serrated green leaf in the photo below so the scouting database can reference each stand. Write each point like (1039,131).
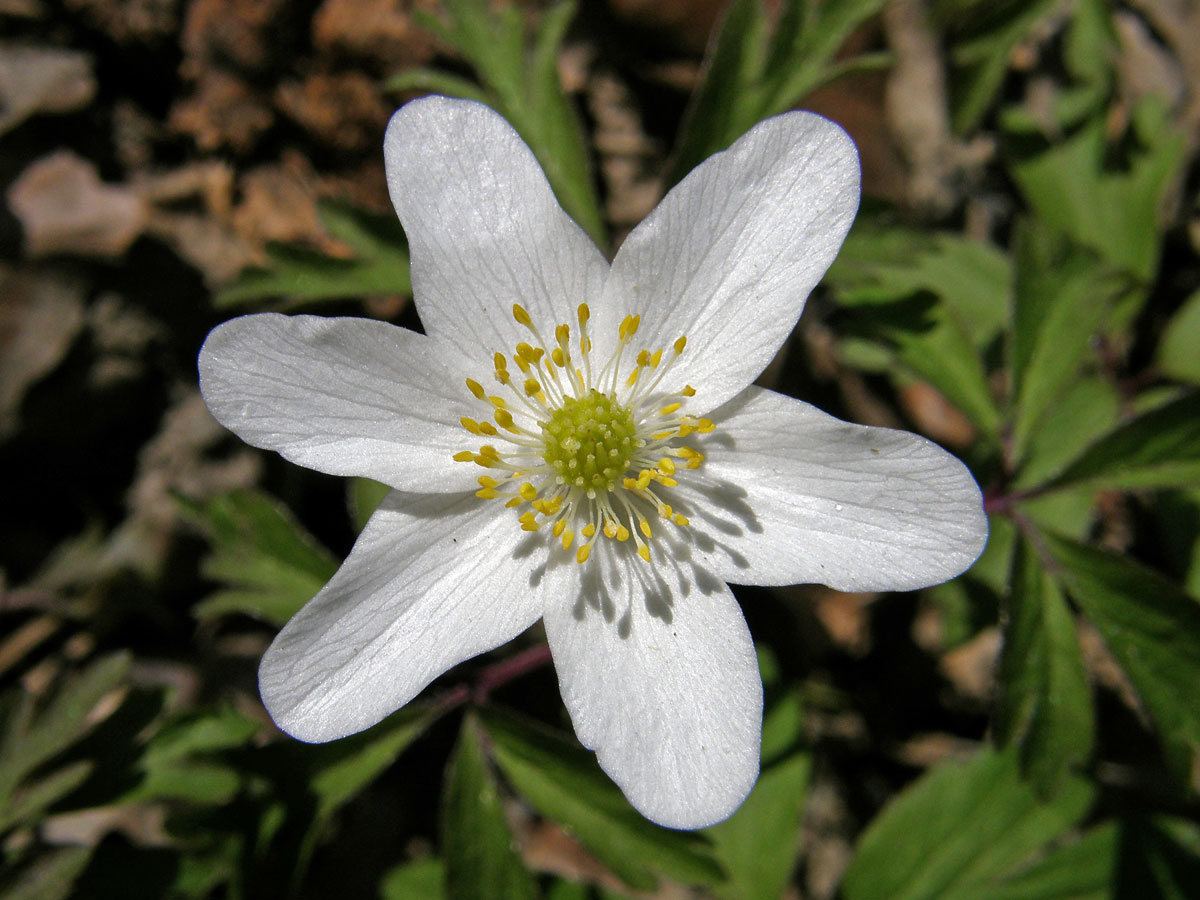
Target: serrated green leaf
(271,564)
(1179,350)
(1046,703)
(563,782)
(1160,448)
(1072,187)
(480,860)
(1088,409)
(300,275)
(1061,299)
(1152,628)
(959,828)
(59,724)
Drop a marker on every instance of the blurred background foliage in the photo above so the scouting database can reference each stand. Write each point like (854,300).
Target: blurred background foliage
(1022,285)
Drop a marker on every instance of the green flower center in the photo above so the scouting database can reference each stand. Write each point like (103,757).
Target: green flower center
(590,441)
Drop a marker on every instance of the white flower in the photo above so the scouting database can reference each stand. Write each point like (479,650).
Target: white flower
(709,479)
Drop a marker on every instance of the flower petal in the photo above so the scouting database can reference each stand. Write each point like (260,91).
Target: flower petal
(659,674)
(432,581)
(343,396)
(483,227)
(730,255)
(789,494)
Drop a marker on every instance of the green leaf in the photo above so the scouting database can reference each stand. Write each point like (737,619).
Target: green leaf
(981,53)
(1153,630)
(519,76)
(28,743)
(1160,448)
(1178,355)
(271,564)
(421,879)
(754,70)
(1115,210)
(1062,297)
(32,799)
(1160,860)
(364,496)
(480,860)
(1089,408)
(1082,870)
(759,843)
(959,828)
(378,264)
(1046,702)
(563,782)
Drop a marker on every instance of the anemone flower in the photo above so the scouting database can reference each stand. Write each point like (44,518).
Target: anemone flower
(580,442)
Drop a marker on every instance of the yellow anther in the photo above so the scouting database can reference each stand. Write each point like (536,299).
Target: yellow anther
(527,491)
(644,526)
(559,527)
(567,538)
(669,408)
(486,493)
(681,521)
(470,424)
(664,510)
(464,456)
(532,387)
(633,377)
(655,358)
(476,388)
(680,343)
(560,358)
(583,553)
(630,484)
(706,426)
(644,552)
(662,435)
(629,327)
(513,503)
(588,530)
(584,313)
(528,522)
(521,315)
(643,357)
(622,533)
(685,429)
(610,528)
(643,479)
(488,428)
(505,420)
(562,334)
(488,481)
(666,465)
(529,353)
(498,402)
(688,391)
(667,482)
(501,362)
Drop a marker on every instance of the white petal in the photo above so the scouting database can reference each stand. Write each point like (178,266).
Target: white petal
(659,674)
(730,255)
(484,229)
(433,580)
(343,396)
(789,494)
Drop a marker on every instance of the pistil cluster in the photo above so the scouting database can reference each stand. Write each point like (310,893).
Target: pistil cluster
(585,449)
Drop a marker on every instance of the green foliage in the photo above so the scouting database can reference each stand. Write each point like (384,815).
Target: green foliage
(759,66)
(518,78)
(376,264)
(959,830)
(269,564)
(563,783)
(480,861)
